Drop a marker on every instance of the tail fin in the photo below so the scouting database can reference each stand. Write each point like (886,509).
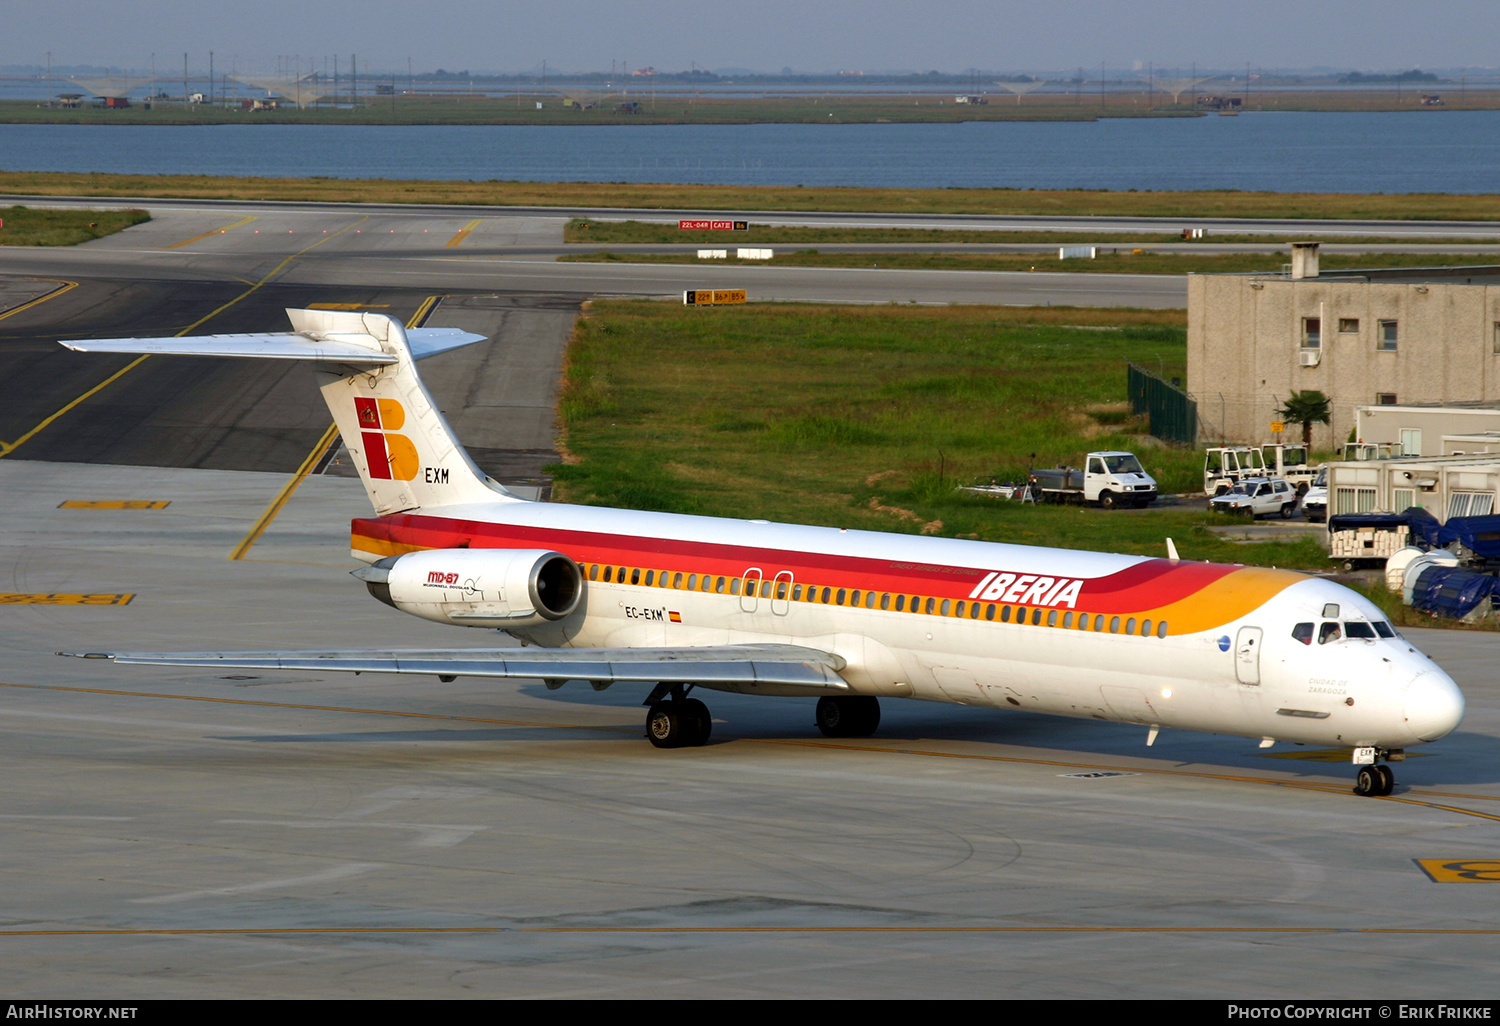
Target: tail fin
(403,448)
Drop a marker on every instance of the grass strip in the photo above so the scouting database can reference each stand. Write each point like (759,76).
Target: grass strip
(596,232)
(1141,262)
(1073,202)
(30,226)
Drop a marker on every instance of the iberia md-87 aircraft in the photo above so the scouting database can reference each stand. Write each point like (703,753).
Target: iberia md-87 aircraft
(683,603)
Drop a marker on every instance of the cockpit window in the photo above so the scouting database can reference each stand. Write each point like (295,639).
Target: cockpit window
(1358,629)
(1329,632)
(1331,610)
(1384,629)
(1303,632)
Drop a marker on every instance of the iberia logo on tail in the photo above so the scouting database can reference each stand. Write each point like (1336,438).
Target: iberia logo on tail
(391,456)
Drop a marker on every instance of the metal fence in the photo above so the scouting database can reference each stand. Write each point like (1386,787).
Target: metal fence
(1173,417)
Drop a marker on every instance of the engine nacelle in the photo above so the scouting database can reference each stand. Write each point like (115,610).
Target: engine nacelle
(496,588)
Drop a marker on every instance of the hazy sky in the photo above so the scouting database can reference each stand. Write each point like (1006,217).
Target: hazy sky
(807,35)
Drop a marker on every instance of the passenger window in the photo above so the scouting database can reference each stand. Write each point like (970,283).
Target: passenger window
(1303,632)
(676,580)
(945,608)
(734,585)
(594,572)
(827,595)
(1036,617)
(1052,618)
(930,603)
(1130,626)
(989,611)
(1005,614)
(1145,628)
(841,596)
(854,598)
(635,575)
(1329,632)
(608,573)
(1114,625)
(900,603)
(719,585)
(692,582)
(1067,620)
(1161,629)
(765,589)
(781,589)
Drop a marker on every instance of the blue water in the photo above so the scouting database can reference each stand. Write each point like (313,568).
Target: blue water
(1429,151)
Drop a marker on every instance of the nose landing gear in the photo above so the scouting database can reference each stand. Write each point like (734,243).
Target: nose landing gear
(1374,781)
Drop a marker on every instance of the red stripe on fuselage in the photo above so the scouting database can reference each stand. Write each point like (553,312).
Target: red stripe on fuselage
(1145,585)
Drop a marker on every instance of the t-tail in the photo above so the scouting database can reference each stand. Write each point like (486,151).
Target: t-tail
(404,449)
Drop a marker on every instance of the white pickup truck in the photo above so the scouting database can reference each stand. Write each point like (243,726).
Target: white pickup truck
(1109,478)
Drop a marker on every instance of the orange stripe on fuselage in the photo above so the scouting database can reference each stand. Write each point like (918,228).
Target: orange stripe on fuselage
(1191,596)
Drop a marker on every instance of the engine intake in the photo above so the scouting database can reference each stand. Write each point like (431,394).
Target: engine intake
(478,587)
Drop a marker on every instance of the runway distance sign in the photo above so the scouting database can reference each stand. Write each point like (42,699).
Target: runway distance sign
(714,226)
(712,297)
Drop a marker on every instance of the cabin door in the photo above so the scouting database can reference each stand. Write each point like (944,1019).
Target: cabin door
(1247,655)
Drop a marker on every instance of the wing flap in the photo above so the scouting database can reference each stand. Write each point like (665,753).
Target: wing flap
(729,667)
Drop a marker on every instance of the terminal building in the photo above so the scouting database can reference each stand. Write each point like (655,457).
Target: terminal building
(1375,337)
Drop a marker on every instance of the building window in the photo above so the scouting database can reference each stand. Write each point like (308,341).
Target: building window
(1387,341)
(1470,504)
(1403,499)
(1385,398)
(1348,325)
(1312,333)
(1353,500)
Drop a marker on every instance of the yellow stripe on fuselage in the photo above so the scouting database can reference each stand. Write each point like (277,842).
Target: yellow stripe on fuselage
(1230,598)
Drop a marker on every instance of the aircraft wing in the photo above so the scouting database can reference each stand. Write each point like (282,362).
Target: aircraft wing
(749,669)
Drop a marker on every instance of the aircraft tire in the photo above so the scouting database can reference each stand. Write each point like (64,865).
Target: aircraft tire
(854,716)
(664,725)
(1387,780)
(1368,781)
(697,723)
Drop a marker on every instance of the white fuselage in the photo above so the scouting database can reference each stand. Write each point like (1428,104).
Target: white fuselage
(1156,642)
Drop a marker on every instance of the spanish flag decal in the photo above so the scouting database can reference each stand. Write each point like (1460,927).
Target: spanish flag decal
(674,617)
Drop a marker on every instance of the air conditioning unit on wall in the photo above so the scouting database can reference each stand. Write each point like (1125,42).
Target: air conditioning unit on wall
(1311,357)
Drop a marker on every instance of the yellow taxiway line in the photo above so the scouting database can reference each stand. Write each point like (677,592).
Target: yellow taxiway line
(464,233)
(213,231)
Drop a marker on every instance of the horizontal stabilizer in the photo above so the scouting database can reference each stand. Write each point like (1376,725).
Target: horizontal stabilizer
(786,668)
(425,342)
(282,345)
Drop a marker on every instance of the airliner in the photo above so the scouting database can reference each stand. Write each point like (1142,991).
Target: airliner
(682,604)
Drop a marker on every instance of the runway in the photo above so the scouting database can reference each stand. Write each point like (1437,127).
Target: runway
(194,834)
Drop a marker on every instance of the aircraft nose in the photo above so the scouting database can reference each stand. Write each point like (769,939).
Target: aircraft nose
(1434,705)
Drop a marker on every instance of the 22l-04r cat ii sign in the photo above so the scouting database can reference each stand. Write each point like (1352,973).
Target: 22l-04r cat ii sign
(848,617)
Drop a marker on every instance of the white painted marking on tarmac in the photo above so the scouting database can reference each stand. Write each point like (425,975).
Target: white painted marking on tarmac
(429,835)
(65,816)
(280,883)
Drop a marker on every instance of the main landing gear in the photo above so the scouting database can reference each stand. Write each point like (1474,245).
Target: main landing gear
(676,721)
(853,716)
(1375,780)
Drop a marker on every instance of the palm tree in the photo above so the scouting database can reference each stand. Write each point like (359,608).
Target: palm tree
(1305,408)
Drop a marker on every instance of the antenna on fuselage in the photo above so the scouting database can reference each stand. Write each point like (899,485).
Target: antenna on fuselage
(1172,551)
